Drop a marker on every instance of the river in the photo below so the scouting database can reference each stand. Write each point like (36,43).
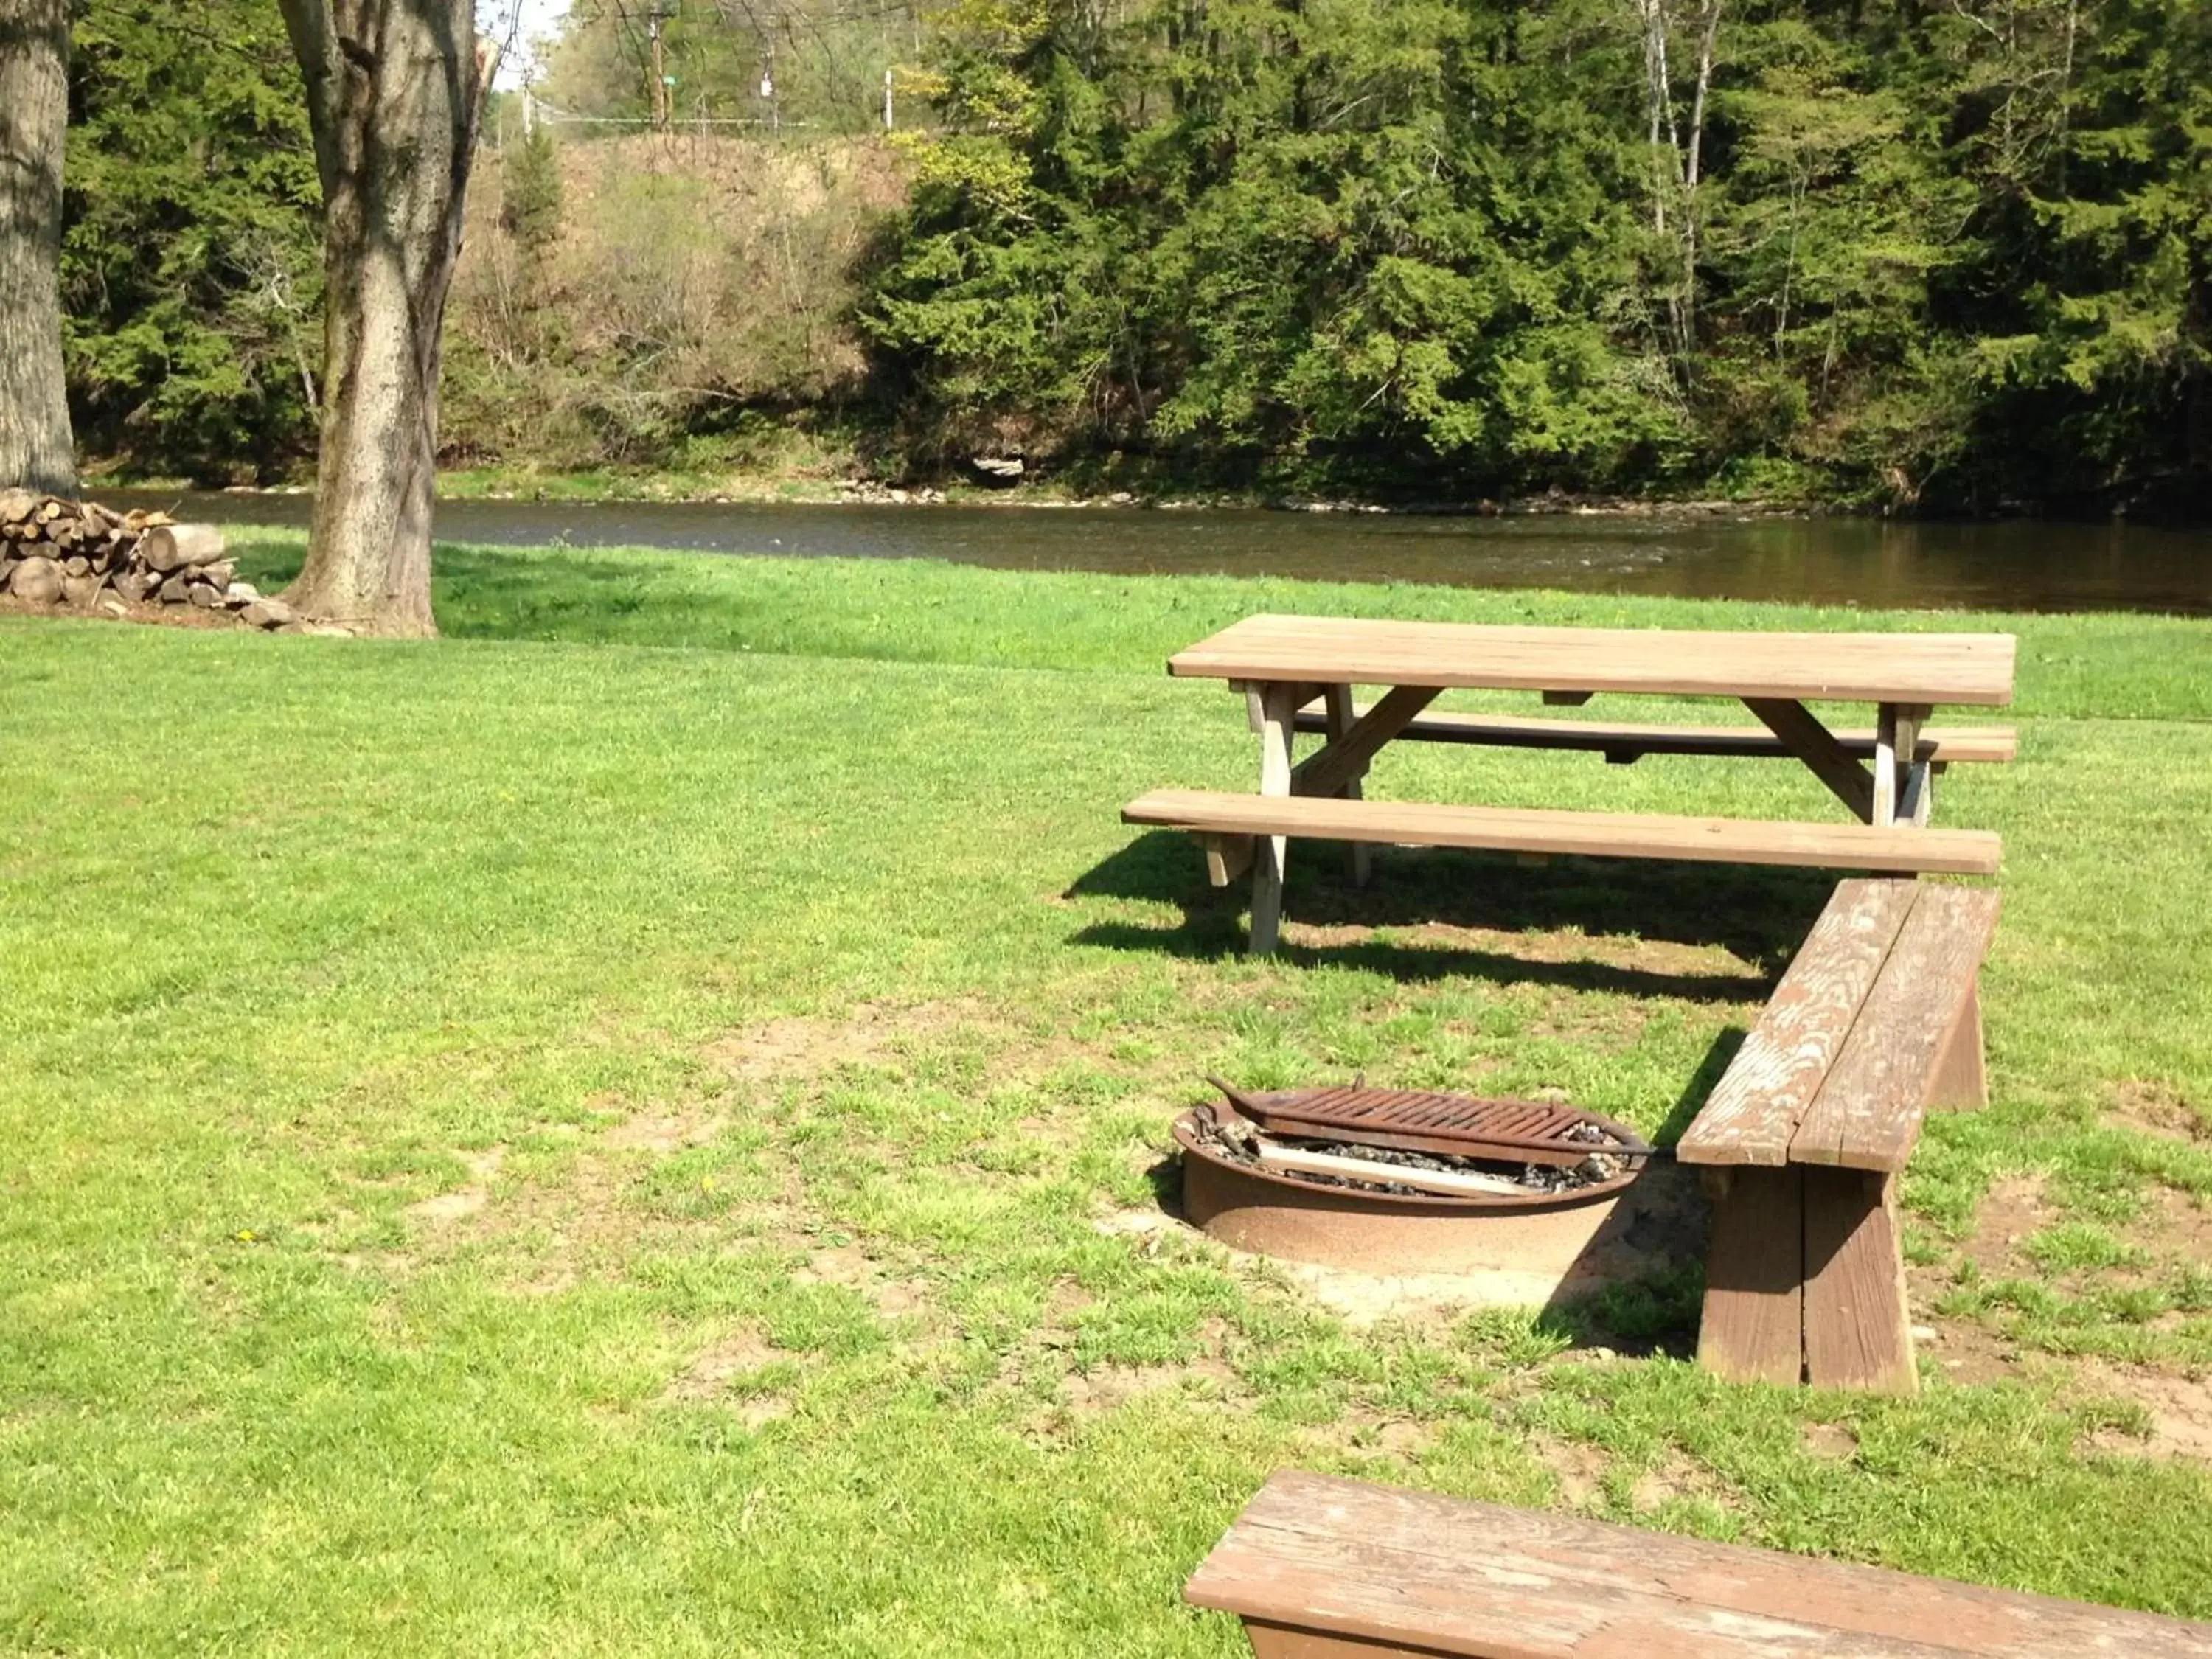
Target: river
(2011,565)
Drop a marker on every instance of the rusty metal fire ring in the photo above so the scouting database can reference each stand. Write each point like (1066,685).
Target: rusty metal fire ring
(1630,1147)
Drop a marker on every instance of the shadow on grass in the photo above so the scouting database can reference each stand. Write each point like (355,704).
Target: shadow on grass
(1652,1317)
(516,593)
(1758,915)
(1700,1086)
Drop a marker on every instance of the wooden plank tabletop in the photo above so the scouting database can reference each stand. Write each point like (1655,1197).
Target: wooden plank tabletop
(1440,1575)
(1898,668)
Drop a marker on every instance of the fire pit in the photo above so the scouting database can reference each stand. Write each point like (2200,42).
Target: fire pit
(1397,1181)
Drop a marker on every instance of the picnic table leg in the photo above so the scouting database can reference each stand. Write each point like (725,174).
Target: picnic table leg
(1278,715)
(1901,781)
(1339,722)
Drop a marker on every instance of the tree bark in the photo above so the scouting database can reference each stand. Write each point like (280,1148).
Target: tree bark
(394,91)
(36,450)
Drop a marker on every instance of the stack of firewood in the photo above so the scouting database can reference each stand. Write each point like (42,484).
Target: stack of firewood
(88,557)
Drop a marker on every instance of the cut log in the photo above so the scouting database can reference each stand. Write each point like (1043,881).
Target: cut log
(269,613)
(37,579)
(1451,1184)
(168,547)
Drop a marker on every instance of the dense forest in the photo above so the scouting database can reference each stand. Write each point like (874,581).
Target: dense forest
(1951,256)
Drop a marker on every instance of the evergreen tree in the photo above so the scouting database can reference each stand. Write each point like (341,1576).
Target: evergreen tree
(530,207)
(189,270)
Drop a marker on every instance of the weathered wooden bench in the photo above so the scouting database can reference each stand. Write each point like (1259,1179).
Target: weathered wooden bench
(1228,826)
(1323,1568)
(1878,1019)
(1623,744)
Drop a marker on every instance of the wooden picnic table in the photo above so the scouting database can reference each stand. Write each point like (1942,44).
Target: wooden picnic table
(1297,674)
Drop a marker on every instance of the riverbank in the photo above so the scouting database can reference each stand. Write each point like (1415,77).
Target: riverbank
(836,476)
(1047,490)
(637,1127)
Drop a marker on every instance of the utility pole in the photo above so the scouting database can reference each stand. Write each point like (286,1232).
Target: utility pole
(656,13)
(887,101)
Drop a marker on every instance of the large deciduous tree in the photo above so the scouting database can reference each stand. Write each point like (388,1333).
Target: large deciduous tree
(35,446)
(394,91)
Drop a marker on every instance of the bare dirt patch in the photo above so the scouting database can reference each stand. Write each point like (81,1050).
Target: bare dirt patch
(1831,1441)
(1103,1387)
(463,1202)
(156,615)
(1970,1354)
(2015,1209)
(2178,1410)
(1578,1466)
(670,1133)
(848,1265)
(717,1369)
(2158,1110)
(1369,1431)
(1677,1480)
(2175,1224)
(794,1047)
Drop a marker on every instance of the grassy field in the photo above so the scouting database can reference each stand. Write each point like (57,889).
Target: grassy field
(630,1129)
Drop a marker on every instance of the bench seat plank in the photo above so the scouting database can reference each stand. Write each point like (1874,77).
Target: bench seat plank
(1602,835)
(1940,744)
(1754,1111)
(1868,1115)
(1415,1572)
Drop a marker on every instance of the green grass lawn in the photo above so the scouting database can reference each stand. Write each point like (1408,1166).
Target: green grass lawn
(623,1130)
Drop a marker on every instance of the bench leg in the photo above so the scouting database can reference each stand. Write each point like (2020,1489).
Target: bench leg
(1753,1328)
(1858,1333)
(1361,856)
(1961,1075)
(1270,1641)
(1278,712)
(1227,857)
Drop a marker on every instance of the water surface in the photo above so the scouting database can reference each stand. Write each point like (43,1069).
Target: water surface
(2013,565)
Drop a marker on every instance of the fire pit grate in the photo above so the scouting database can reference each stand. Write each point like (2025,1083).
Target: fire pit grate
(1450,1125)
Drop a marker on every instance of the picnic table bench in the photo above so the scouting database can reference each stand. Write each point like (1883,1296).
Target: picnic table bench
(1322,1568)
(1297,674)
(1877,1019)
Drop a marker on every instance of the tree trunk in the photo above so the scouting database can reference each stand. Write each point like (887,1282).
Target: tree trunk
(36,452)
(394,90)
